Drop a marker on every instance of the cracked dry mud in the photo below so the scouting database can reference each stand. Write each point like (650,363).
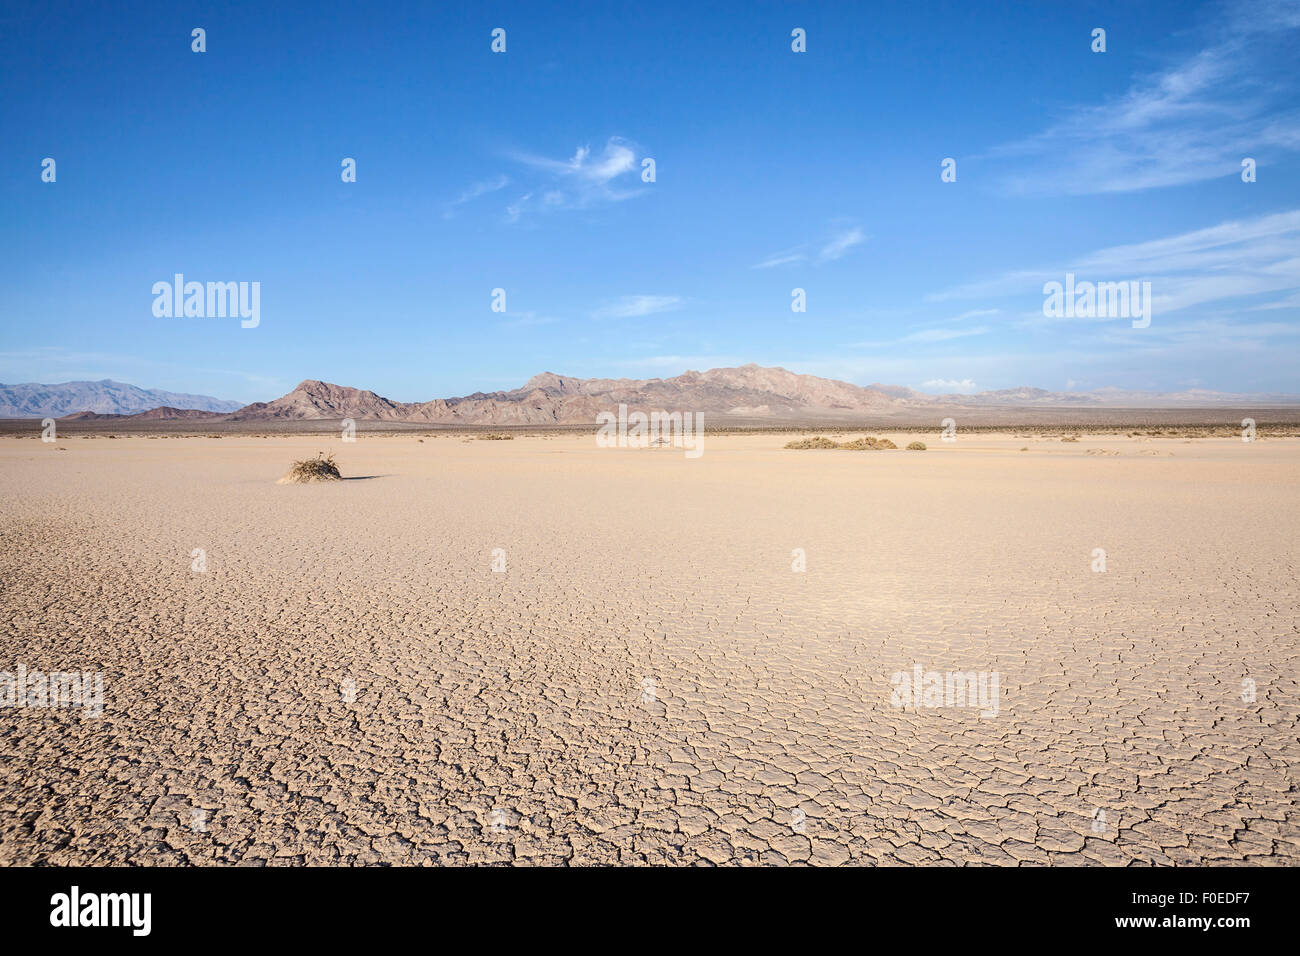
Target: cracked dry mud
(349,682)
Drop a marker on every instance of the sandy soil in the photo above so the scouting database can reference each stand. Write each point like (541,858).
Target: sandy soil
(649,681)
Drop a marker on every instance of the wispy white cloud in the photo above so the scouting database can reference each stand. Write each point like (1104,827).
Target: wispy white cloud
(841,244)
(1193,121)
(780,259)
(516,209)
(632,306)
(828,251)
(1291,301)
(475,190)
(1232,260)
(585,178)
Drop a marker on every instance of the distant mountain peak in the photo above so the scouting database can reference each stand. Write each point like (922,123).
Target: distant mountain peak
(549,380)
(104,397)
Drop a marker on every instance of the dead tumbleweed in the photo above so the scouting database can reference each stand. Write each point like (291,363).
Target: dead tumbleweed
(320,468)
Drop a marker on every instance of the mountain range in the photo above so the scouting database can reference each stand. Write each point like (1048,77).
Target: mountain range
(745,393)
(106,397)
(749,392)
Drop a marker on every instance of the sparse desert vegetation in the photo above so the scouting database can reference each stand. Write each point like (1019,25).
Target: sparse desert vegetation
(320,468)
(916,446)
(865,443)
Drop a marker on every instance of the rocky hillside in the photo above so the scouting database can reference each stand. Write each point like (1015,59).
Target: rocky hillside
(749,391)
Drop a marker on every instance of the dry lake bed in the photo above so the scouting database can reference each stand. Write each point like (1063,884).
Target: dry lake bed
(1001,650)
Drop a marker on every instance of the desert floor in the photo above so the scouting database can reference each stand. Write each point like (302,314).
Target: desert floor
(649,681)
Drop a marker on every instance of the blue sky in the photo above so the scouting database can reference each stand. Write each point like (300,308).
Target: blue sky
(774,170)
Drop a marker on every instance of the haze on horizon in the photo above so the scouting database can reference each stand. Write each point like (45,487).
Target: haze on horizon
(774,170)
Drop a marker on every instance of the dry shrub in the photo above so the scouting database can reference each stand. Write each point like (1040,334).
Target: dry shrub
(916,446)
(320,468)
(867,443)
